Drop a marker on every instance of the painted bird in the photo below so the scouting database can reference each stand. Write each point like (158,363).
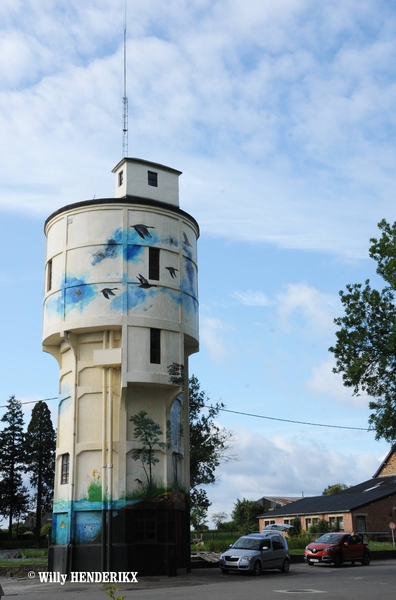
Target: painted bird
(107,292)
(185,240)
(143,230)
(143,282)
(172,271)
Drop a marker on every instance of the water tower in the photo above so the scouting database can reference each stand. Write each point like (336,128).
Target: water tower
(121,318)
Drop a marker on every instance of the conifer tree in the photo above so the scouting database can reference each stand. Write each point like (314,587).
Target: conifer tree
(40,459)
(13,494)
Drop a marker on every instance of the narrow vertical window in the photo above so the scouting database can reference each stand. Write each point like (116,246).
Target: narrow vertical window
(155,346)
(154,263)
(120,178)
(49,275)
(65,468)
(152,178)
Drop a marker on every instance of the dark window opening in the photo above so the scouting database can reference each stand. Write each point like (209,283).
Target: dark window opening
(155,346)
(49,275)
(154,263)
(65,468)
(152,178)
(120,178)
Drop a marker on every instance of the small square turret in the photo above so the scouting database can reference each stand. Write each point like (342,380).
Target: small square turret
(145,179)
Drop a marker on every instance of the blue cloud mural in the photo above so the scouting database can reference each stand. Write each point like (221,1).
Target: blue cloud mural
(111,249)
(77,293)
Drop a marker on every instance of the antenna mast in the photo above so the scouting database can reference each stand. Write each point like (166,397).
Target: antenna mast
(125,99)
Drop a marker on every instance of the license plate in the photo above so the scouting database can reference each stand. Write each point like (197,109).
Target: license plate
(314,560)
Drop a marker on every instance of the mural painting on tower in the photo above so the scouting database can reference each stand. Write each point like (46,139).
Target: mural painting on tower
(121,318)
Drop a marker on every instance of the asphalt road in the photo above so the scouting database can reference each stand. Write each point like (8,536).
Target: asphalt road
(324,582)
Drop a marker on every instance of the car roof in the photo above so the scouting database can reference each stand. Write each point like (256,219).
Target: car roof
(264,534)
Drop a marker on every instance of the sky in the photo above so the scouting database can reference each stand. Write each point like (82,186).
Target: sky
(281,117)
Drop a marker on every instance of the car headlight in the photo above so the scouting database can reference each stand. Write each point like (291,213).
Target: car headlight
(329,549)
(244,559)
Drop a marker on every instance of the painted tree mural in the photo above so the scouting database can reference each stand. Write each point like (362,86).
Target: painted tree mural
(150,435)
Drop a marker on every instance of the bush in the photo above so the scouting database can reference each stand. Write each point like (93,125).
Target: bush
(299,542)
(45,531)
(26,535)
(228,526)
(322,526)
(34,553)
(3,534)
(296,522)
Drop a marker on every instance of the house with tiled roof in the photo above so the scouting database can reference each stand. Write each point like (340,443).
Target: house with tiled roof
(272,502)
(368,506)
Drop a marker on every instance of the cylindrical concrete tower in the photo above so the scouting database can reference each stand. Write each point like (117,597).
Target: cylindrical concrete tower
(121,318)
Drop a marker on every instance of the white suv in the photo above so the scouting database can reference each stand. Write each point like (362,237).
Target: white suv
(255,552)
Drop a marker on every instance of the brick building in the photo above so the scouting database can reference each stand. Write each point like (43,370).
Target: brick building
(369,506)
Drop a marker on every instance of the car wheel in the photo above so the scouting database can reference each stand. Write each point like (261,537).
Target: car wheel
(285,568)
(366,559)
(338,560)
(225,571)
(256,568)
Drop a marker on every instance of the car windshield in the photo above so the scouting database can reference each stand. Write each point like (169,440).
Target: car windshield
(329,538)
(245,543)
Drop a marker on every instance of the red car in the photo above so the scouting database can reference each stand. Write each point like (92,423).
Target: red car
(337,548)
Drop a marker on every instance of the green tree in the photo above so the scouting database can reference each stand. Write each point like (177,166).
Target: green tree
(296,522)
(149,434)
(218,519)
(13,494)
(209,444)
(40,459)
(334,489)
(245,514)
(199,508)
(365,350)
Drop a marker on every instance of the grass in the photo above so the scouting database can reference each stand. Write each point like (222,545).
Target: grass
(15,562)
(30,556)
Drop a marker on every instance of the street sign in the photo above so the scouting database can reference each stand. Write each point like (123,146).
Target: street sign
(392,527)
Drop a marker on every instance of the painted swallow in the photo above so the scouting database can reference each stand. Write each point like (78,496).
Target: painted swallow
(143,230)
(139,481)
(107,292)
(185,240)
(172,271)
(143,282)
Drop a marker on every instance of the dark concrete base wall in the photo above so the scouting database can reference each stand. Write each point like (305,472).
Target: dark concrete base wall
(148,541)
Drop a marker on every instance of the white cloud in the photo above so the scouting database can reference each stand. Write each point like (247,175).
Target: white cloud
(324,381)
(251,298)
(280,466)
(212,336)
(287,107)
(302,300)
